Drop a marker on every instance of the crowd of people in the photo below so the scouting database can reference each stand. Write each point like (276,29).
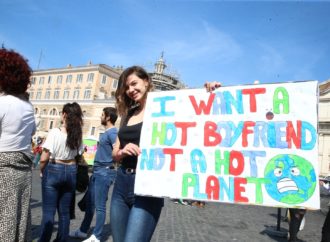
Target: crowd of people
(133,217)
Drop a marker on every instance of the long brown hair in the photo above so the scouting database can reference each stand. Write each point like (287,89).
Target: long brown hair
(123,102)
(74,124)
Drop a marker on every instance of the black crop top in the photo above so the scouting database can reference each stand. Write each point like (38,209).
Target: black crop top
(129,134)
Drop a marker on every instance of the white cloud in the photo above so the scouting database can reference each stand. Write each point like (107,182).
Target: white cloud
(290,61)
(270,60)
(304,71)
(105,54)
(206,42)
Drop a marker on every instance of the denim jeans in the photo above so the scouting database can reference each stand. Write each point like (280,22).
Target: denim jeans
(132,218)
(97,196)
(58,189)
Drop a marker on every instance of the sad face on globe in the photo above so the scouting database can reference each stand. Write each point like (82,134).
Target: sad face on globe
(292,179)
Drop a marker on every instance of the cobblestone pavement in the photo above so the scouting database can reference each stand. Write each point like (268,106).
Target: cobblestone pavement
(214,222)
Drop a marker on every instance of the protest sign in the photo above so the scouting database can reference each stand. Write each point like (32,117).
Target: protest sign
(90,145)
(250,144)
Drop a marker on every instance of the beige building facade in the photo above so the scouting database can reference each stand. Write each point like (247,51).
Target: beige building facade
(92,86)
(324,128)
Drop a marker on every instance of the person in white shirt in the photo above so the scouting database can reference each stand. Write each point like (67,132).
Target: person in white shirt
(17,125)
(58,172)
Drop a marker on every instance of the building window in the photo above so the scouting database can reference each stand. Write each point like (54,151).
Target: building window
(66,94)
(31,95)
(51,124)
(90,77)
(49,80)
(33,80)
(53,112)
(47,94)
(93,131)
(38,96)
(76,94)
(79,78)
(104,80)
(56,94)
(324,126)
(36,110)
(68,78)
(41,80)
(114,84)
(41,125)
(87,94)
(59,79)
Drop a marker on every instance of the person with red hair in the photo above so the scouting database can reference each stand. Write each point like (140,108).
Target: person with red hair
(17,125)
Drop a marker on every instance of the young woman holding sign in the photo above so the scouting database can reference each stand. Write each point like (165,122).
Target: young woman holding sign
(133,218)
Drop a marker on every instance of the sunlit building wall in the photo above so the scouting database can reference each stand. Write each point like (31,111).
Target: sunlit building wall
(324,128)
(92,86)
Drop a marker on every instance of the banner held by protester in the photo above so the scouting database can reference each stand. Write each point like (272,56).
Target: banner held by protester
(251,144)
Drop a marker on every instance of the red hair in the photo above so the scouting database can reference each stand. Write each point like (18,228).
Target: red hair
(15,72)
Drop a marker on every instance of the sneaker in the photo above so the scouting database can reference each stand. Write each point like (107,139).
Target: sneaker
(176,201)
(183,202)
(78,234)
(92,239)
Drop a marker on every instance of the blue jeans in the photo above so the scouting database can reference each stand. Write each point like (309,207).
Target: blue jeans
(132,218)
(58,188)
(97,196)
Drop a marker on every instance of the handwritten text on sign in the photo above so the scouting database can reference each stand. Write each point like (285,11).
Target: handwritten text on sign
(243,144)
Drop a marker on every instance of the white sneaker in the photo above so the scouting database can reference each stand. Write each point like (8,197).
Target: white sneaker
(78,234)
(183,202)
(92,239)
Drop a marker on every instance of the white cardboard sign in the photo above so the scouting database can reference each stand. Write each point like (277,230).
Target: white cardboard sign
(250,144)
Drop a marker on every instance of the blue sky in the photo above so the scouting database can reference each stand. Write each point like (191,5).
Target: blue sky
(232,42)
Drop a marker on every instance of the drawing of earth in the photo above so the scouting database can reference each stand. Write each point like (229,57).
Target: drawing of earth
(292,179)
